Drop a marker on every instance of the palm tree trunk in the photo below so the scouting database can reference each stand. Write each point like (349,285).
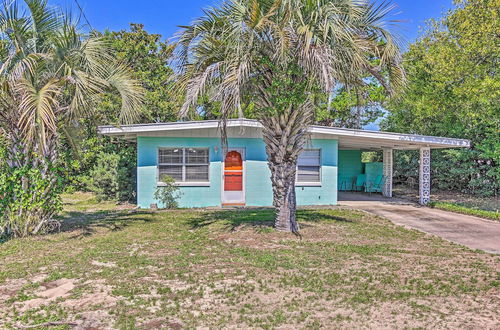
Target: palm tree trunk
(285,137)
(284,200)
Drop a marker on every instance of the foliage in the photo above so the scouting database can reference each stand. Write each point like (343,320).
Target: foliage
(277,56)
(453,207)
(51,76)
(353,108)
(147,55)
(29,200)
(371,156)
(110,177)
(454,90)
(82,160)
(168,193)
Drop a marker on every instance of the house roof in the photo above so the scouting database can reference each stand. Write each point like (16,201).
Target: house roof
(348,138)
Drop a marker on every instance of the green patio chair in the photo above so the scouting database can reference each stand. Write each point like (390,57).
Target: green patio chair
(346,183)
(360,183)
(377,185)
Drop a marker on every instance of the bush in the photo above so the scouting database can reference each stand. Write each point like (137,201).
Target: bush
(110,178)
(460,170)
(29,199)
(83,167)
(168,194)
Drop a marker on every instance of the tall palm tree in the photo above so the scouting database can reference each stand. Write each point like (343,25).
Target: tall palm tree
(278,54)
(51,75)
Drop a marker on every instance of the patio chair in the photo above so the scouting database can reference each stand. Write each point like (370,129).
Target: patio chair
(360,183)
(346,183)
(376,185)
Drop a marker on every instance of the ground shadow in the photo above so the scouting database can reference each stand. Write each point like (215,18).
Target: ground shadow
(87,223)
(258,218)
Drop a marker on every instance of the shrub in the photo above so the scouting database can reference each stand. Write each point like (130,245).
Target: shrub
(168,194)
(110,178)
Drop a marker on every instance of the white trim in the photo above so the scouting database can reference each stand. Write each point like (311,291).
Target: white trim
(308,184)
(172,126)
(185,184)
(400,141)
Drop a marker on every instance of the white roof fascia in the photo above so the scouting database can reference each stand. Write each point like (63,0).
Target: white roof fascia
(397,138)
(393,137)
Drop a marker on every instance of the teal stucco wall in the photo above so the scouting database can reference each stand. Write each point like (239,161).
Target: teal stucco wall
(350,167)
(373,170)
(258,190)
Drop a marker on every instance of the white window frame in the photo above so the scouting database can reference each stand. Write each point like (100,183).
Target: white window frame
(183,183)
(315,183)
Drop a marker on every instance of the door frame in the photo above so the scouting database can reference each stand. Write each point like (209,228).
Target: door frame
(242,152)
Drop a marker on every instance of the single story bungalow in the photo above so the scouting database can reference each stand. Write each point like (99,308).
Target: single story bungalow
(191,153)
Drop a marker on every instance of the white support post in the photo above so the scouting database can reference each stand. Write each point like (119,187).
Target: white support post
(425,175)
(387,156)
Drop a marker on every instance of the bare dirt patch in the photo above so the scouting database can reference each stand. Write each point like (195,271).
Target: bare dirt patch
(49,292)
(100,295)
(103,264)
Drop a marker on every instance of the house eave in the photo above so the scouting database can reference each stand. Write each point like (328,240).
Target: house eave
(348,138)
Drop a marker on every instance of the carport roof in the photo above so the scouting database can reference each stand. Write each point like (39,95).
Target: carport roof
(348,138)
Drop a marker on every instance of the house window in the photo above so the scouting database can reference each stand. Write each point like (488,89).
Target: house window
(183,164)
(309,166)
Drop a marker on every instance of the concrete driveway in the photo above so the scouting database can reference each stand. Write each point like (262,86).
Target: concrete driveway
(470,231)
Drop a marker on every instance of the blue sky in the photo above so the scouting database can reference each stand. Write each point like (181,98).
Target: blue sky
(163,16)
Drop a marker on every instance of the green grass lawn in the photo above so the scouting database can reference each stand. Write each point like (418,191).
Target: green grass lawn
(484,207)
(114,267)
(465,209)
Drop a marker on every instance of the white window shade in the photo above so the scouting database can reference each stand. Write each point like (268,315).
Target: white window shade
(309,166)
(184,164)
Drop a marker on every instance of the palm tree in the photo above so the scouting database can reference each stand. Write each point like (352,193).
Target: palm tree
(50,76)
(277,54)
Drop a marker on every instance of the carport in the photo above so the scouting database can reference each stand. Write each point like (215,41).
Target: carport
(388,143)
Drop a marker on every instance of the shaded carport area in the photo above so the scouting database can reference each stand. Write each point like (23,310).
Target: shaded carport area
(389,143)
(473,232)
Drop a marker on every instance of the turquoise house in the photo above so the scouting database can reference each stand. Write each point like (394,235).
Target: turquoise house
(191,153)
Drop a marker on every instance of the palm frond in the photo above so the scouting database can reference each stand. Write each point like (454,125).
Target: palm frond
(38,118)
(334,42)
(131,92)
(55,73)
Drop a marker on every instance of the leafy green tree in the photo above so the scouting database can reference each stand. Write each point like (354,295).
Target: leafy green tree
(454,90)
(109,178)
(279,54)
(351,108)
(148,56)
(50,76)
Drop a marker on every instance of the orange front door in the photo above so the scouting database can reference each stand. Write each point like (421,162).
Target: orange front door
(233,178)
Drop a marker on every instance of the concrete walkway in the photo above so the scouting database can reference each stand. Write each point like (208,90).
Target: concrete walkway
(470,231)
